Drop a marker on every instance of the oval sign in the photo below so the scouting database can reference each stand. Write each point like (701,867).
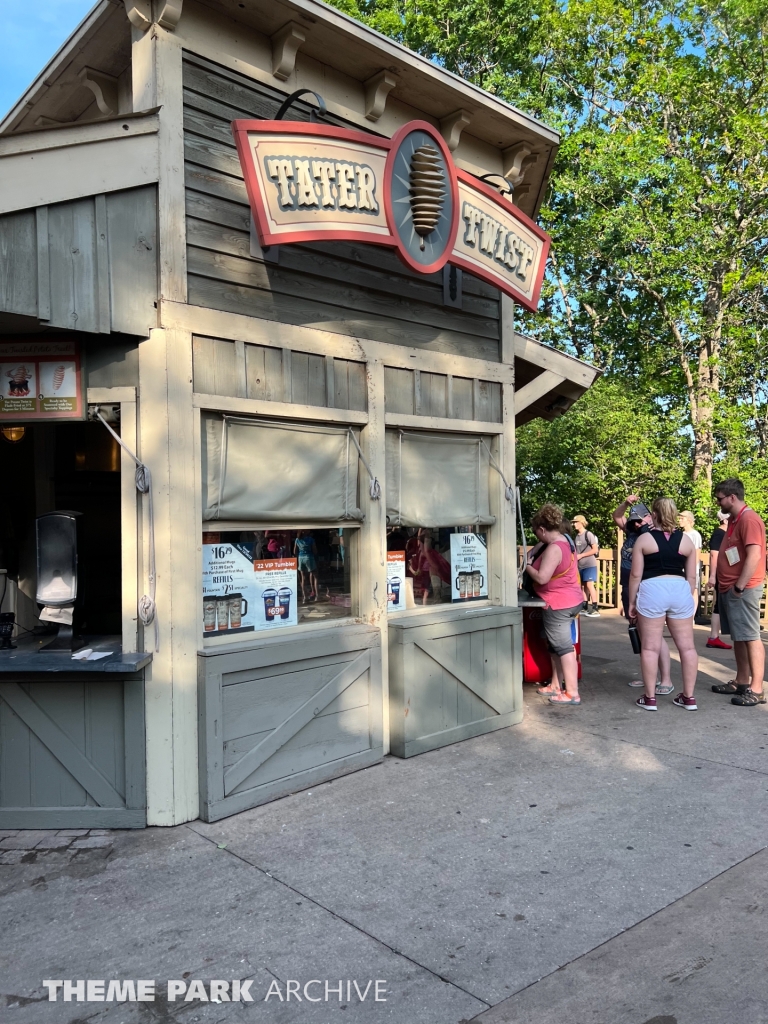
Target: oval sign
(421,197)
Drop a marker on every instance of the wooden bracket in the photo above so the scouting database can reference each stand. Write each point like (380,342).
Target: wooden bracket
(168,13)
(377,88)
(285,45)
(103,87)
(517,159)
(521,191)
(452,126)
(139,13)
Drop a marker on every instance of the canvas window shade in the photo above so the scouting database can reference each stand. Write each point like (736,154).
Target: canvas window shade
(437,480)
(262,470)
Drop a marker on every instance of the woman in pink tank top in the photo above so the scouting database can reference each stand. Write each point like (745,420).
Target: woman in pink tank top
(555,574)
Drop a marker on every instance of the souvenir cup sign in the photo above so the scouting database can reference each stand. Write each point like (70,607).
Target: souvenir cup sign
(309,182)
(275,593)
(469,567)
(228,593)
(396,581)
(40,380)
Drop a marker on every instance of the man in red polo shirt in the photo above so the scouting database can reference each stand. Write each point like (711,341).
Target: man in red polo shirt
(740,579)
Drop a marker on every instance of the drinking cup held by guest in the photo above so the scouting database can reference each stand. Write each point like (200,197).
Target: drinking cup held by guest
(554,571)
(662,587)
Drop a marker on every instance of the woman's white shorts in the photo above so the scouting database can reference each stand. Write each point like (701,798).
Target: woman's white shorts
(665,595)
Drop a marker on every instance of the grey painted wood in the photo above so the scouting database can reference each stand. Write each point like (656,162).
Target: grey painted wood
(89,265)
(18,263)
(286,714)
(264,373)
(132,227)
(43,264)
(215,366)
(72,754)
(455,673)
(398,390)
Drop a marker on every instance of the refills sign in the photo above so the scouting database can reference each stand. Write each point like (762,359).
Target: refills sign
(308,182)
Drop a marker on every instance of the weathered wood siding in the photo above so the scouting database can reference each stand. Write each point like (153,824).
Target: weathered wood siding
(89,265)
(356,290)
(286,715)
(72,753)
(238,370)
(453,676)
(417,393)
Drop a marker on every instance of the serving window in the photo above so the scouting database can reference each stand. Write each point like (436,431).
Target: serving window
(438,515)
(280,529)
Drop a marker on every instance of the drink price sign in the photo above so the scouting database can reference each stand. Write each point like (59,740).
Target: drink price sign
(469,567)
(275,593)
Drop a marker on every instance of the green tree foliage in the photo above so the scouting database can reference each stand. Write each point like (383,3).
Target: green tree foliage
(658,204)
(611,443)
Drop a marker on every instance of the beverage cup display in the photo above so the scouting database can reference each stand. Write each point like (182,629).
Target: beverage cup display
(236,610)
(463,584)
(284,602)
(222,612)
(393,586)
(271,607)
(209,614)
(477,583)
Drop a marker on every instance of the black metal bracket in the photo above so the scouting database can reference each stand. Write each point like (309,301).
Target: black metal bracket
(507,189)
(289,100)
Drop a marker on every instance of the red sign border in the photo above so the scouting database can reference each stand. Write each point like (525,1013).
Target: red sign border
(489,192)
(241,128)
(394,146)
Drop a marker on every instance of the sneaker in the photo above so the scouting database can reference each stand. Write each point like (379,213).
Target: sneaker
(592,613)
(646,703)
(689,703)
(749,699)
(715,641)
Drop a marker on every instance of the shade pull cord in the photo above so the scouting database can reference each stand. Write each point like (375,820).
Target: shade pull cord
(147,608)
(509,490)
(522,534)
(375,488)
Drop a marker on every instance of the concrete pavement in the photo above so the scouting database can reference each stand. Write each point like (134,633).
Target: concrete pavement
(596,864)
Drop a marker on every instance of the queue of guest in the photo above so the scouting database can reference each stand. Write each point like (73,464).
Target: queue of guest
(660,584)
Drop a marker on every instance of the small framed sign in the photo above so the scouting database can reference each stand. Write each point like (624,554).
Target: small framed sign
(41,380)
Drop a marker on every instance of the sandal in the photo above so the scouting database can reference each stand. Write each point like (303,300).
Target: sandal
(549,690)
(662,691)
(730,687)
(564,698)
(748,699)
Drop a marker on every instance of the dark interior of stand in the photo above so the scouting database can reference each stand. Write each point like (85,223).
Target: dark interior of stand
(74,467)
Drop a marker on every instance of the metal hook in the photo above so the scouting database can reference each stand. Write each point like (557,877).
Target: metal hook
(294,96)
(506,190)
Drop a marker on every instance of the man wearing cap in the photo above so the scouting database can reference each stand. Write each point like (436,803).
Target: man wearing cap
(587,549)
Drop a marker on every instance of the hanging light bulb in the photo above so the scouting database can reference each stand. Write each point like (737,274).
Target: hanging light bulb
(13,434)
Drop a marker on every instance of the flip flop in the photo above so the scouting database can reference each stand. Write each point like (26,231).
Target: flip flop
(662,691)
(565,699)
(548,691)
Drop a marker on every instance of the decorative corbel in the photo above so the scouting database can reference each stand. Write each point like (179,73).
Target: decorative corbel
(168,13)
(377,88)
(521,191)
(139,13)
(452,126)
(103,87)
(516,161)
(285,45)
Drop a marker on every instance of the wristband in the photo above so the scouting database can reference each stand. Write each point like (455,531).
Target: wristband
(739,590)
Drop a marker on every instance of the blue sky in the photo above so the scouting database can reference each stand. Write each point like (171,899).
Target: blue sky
(32,33)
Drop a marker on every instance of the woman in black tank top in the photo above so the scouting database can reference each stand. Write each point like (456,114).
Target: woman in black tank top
(662,588)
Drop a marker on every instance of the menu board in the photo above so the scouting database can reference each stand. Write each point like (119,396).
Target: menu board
(469,567)
(275,593)
(228,587)
(41,380)
(396,581)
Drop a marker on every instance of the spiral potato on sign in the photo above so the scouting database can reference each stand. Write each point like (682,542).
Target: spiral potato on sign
(19,377)
(427,188)
(58,377)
